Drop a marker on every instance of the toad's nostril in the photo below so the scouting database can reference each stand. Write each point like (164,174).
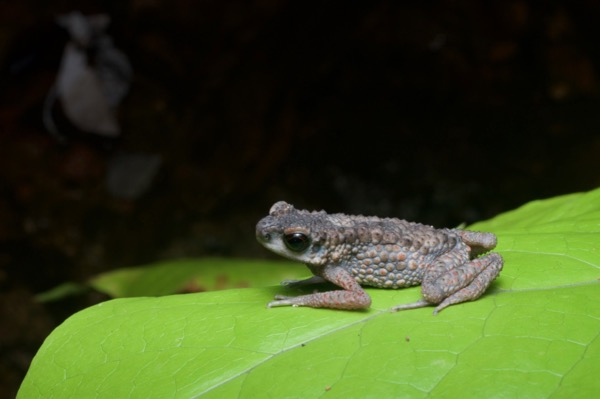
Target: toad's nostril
(262,236)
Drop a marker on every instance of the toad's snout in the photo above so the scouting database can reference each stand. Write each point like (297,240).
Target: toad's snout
(262,231)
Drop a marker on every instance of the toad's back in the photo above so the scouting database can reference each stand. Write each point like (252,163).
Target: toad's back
(390,253)
(380,252)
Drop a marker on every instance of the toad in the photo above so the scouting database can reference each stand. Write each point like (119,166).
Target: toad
(451,265)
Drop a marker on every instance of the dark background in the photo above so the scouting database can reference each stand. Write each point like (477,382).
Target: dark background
(442,112)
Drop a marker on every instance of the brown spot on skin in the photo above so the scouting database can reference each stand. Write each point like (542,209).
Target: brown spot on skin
(389,237)
(376,235)
(350,235)
(401,256)
(333,240)
(382,272)
(384,257)
(364,234)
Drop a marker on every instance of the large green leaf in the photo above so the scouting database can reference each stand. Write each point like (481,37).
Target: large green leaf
(535,334)
(182,275)
(209,274)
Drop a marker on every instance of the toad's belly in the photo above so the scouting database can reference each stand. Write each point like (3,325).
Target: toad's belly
(388,274)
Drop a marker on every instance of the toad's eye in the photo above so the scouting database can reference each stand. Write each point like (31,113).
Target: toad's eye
(296,242)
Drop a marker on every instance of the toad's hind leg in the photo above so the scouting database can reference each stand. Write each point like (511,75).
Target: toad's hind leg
(488,267)
(460,284)
(479,242)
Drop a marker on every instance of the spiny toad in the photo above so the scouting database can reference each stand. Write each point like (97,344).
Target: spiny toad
(351,251)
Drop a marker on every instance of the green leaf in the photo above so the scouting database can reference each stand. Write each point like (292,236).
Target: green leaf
(535,334)
(183,275)
(61,291)
(207,274)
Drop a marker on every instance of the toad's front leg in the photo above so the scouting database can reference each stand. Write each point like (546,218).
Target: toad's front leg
(352,297)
